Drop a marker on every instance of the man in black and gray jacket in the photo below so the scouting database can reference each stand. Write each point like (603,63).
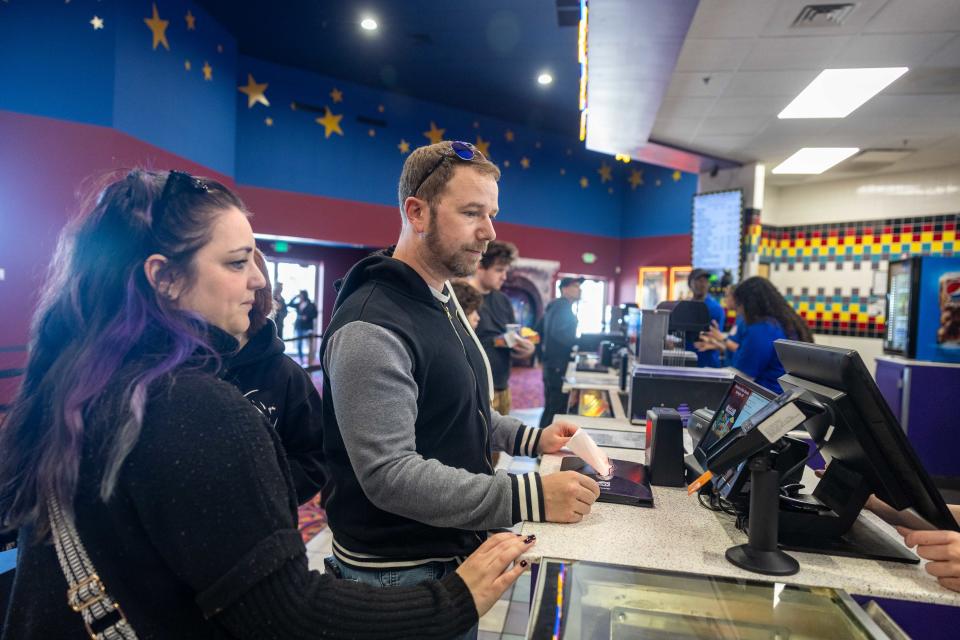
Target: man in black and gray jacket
(408,428)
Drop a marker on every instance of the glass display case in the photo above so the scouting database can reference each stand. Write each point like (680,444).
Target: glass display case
(590,601)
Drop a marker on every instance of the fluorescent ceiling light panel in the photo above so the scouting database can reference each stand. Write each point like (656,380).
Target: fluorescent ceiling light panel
(813,160)
(836,93)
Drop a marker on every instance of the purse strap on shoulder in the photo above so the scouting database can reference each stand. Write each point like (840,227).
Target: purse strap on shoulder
(86,593)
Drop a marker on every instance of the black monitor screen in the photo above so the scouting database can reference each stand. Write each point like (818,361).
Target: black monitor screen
(866,437)
(742,401)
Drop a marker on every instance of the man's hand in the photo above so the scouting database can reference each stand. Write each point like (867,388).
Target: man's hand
(522,348)
(556,436)
(942,549)
(568,495)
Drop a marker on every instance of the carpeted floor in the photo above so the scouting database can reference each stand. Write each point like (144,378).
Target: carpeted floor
(526,387)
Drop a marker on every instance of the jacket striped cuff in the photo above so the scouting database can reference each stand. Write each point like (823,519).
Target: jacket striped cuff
(528,438)
(528,498)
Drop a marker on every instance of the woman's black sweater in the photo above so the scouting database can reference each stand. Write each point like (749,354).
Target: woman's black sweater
(200,539)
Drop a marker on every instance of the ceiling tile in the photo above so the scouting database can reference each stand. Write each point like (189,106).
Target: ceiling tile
(732,126)
(713,54)
(684,85)
(793,53)
(889,50)
(948,56)
(905,16)
(754,106)
(769,83)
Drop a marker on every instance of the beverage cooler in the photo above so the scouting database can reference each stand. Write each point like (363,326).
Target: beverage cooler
(923,309)
(920,376)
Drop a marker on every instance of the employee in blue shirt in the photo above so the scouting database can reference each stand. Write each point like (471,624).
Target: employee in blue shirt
(699,283)
(768,317)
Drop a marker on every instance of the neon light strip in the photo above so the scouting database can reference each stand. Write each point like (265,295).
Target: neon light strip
(556,623)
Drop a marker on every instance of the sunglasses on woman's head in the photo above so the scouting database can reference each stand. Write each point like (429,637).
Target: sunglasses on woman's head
(463,150)
(177,183)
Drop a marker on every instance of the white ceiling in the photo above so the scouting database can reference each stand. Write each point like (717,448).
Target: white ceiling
(742,63)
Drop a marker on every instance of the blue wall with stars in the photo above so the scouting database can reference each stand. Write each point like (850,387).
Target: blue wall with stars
(148,80)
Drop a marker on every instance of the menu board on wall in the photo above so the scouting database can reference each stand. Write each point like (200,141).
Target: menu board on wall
(716,230)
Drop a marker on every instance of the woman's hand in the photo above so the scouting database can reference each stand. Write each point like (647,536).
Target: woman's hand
(942,549)
(487,572)
(556,436)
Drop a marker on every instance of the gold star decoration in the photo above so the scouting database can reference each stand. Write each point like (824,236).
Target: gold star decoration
(584,183)
(381,108)
(372,133)
(256,92)
(605,172)
(159,29)
(509,135)
(191,21)
(336,95)
(97,23)
(636,178)
(483,146)
(268,121)
(525,162)
(186,65)
(404,146)
(435,135)
(506,163)
(563,172)
(330,122)
(676,176)
(207,71)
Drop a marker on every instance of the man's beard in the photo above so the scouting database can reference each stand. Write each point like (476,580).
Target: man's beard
(457,264)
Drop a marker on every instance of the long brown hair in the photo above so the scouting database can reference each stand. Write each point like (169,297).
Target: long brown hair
(761,301)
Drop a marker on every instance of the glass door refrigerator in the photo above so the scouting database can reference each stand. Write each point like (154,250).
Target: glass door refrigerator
(923,309)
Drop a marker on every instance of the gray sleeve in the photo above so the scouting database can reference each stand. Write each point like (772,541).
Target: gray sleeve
(375,400)
(510,435)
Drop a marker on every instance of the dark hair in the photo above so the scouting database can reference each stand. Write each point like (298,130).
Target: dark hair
(761,301)
(95,313)
(470,299)
(498,253)
(423,159)
(263,302)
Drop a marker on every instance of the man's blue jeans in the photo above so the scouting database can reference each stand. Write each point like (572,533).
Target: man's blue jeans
(401,577)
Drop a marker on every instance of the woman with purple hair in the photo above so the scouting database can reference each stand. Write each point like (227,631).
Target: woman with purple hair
(174,484)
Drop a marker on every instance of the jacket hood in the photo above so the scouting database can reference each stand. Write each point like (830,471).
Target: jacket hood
(383,268)
(263,345)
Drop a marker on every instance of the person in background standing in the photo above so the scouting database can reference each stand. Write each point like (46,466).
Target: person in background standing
(559,337)
(305,323)
(280,308)
(470,300)
(496,316)
(281,390)
(699,283)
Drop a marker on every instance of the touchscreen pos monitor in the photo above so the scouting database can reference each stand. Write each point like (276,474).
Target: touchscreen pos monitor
(863,438)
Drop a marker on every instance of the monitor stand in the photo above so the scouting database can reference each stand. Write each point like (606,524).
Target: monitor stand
(831,523)
(863,540)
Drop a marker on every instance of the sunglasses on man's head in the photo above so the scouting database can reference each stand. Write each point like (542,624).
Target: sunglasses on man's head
(463,150)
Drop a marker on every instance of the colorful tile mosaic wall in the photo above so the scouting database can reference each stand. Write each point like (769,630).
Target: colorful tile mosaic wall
(829,249)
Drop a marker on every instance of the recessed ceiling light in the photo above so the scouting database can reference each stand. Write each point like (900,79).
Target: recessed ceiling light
(835,93)
(544,78)
(368,24)
(813,160)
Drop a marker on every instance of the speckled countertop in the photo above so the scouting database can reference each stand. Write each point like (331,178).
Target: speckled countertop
(680,535)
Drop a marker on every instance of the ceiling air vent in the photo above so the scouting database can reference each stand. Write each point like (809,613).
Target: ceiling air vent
(824,15)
